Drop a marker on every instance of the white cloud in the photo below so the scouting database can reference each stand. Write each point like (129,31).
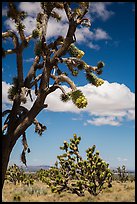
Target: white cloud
(109,120)
(32,8)
(100,34)
(5,101)
(109,104)
(9,23)
(93,46)
(55,28)
(84,35)
(99,10)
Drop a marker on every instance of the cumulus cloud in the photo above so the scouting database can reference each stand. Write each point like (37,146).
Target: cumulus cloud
(109,104)
(5,101)
(55,28)
(109,120)
(100,10)
(100,34)
(32,8)
(84,34)
(93,46)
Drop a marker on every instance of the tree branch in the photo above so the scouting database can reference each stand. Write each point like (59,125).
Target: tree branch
(68,40)
(64,78)
(68,10)
(4,127)
(75,62)
(35,80)
(12,35)
(31,72)
(10,51)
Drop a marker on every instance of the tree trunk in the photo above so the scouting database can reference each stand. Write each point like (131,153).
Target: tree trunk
(6,151)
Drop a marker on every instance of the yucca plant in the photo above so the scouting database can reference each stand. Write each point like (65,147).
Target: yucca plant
(76,175)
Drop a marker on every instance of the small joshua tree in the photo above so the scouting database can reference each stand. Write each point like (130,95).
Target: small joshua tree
(16,175)
(122,174)
(76,175)
(48,57)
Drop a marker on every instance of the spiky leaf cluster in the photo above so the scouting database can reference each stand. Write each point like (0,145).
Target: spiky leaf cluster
(65,97)
(40,128)
(16,175)
(92,78)
(17,16)
(79,99)
(75,52)
(75,175)
(35,33)
(100,66)
(20,27)
(13,90)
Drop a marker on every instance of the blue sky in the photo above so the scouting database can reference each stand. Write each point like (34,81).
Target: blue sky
(109,119)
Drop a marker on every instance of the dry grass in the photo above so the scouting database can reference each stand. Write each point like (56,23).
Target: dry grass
(120,192)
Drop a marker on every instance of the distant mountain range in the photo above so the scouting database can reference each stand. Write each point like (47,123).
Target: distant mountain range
(35,168)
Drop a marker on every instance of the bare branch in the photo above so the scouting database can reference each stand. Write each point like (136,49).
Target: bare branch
(75,62)
(5,112)
(61,88)
(69,37)
(28,38)
(36,80)
(31,72)
(12,35)
(68,10)
(18,51)
(10,51)
(20,67)
(4,127)
(39,66)
(64,78)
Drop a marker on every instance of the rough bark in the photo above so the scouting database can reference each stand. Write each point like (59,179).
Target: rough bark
(6,151)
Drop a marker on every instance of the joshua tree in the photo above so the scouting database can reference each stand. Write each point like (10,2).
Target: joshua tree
(48,57)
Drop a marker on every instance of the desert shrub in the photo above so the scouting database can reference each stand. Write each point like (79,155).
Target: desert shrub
(16,175)
(74,174)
